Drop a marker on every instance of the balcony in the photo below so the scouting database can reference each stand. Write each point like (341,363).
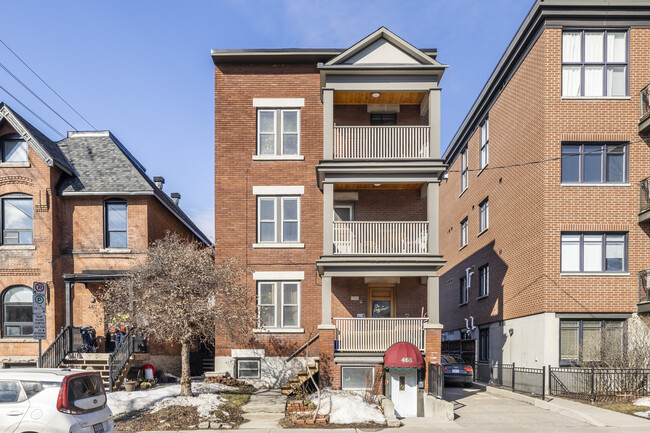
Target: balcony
(377,335)
(644,291)
(644,200)
(380,238)
(644,109)
(381,142)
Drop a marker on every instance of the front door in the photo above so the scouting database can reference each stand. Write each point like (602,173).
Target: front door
(381,300)
(404,392)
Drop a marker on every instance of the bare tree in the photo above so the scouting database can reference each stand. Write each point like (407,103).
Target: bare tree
(177,295)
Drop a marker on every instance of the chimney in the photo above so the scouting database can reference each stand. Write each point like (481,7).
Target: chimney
(176,197)
(160,181)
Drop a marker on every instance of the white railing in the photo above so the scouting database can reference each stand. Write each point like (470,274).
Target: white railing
(364,237)
(381,142)
(377,335)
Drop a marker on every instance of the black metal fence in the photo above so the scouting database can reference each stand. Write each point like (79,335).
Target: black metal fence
(436,380)
(599,384)
(517,379)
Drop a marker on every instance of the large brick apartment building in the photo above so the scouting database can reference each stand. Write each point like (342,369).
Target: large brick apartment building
(74,214)
(545,245)
(326,185)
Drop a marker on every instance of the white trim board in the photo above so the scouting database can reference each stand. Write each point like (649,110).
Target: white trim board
(278,275)
(278,190)
(278,102)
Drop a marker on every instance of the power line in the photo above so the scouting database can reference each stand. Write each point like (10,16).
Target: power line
(48,86)
(31,111)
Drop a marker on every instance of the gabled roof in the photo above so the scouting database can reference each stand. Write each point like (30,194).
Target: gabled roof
(45,148)
(383,48)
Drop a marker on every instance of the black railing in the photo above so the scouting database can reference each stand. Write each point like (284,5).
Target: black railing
(436,380)
(66,342)
(599,384)
(517,379)
(120,357)
(644,195)
(644,99)
(644,288)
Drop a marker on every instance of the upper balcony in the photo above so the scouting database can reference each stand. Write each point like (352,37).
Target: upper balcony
(644,200)
(644,292)
(381,142)
(644,109)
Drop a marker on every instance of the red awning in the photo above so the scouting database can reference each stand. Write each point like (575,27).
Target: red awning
(403,355)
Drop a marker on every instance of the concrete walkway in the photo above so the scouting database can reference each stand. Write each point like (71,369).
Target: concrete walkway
(264,409)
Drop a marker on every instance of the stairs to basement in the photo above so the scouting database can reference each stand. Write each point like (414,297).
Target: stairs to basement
(99,362)
(299,379)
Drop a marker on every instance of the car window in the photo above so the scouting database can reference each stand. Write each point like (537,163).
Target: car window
(444,359)
(32,387)
(9,391)
(458,360)
(84,387)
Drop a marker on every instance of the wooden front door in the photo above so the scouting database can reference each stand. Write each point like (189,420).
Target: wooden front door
(381,300)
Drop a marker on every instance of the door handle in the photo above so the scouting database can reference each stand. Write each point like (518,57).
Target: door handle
(15,413)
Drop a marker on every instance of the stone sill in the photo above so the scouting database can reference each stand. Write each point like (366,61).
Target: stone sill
(15,165)
(17,340)
(279,331)
(278,157)
(115,251)
(17,247)
(594,274)
(279,245)
(592,185)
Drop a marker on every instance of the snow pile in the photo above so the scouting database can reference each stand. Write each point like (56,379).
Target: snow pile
(645,401)
(205,404)
(123,401)
(346,407)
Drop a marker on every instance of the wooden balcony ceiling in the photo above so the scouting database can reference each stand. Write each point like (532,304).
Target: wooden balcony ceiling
(354,186)
(365,98)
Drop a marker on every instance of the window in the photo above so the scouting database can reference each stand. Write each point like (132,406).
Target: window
(10,391)
(357,377)
(591,341)
(115,223)
(17,312)
(248,368)
(484,344)
(278,132)
(463,171)
(463,233)
(278,219)
(594,63)
(383,119)
(483,281)
(343,212)
(279,304)
(485,144)
(594,252)
(462,290)
(13,149)
(17,218)
(594,163)
(483,215)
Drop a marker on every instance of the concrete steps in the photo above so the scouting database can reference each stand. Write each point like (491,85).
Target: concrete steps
(99,362)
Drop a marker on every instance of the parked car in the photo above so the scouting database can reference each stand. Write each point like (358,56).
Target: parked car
(52,401)
(456,370)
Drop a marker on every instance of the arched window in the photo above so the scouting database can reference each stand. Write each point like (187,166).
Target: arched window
(17,219)
(17,312)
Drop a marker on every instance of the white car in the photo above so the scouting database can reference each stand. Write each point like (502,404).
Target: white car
(43,400)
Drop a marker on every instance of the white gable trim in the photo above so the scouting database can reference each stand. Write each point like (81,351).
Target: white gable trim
(278,276)
(278,190)
(278,102)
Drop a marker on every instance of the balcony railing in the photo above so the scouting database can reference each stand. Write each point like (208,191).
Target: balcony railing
(644,98)
(644,286)
(374,238)
(377,335)
(644,199)
(381,142)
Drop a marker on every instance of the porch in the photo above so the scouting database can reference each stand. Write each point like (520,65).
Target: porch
(377,334)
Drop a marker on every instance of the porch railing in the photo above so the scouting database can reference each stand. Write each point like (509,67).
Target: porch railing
(364,237)
(377,335)
(644,99)
(644,286)
(381,142)
(63,344)
(644,195)
(120,357)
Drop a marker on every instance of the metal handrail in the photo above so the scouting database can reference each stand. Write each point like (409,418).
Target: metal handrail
(120,357)
(644,195)
(644,101)
(59,349)
(644,289)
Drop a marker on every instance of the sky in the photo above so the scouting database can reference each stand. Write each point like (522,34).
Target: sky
(143,70)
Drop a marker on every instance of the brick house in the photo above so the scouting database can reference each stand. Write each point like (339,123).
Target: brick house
(545,244)
(74,213)
(326,184)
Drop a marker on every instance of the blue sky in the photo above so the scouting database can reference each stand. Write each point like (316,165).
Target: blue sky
(143,69)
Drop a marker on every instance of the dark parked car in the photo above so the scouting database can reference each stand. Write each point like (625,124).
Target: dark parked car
(456,370)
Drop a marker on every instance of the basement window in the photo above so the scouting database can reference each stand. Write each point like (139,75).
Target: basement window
(248,369)
(357,378)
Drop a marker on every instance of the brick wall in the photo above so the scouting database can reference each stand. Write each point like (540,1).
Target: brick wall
(390,205)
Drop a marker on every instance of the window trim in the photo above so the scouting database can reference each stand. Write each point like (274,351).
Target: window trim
(464,175)
(464,232)
(259,368)
(19,196)
(107,231)
(3,313)
(603,162)
(483,293)
(582,63)
(278,214)
(372,368)
(604,235)
(278,305)
(484,215)
(283,326)
(463,292)
(12,138)
(603,323)
(484,140)
(278,133)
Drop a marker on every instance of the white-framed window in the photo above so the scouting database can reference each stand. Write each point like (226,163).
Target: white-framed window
(248,368)
(278,131)
(17,219)
(463,171)
(278,219)
(483,281)
(463,232)
(13,149)
(278,304)
(484,156)
(357,377)
(594,63)
(462,287)
(483,215)
(593,252)
(594,163)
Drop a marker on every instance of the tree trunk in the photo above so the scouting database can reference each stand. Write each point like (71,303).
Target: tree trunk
(186,378)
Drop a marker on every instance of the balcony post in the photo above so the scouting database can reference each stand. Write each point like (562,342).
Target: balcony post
(328,124)
(434,123)
(433,296)
(326,301)
(432,218)
(328,219)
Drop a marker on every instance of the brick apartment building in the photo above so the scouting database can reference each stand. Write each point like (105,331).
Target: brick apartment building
(326,184)
(545,244)
(74,213)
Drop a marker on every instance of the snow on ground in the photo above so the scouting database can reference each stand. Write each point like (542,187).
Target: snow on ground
(346,407)
(122,401)
(205,404)
(645,401)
